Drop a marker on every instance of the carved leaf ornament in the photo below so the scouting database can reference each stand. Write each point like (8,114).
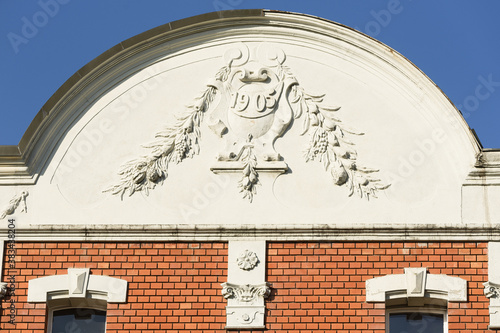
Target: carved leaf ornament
(246,293)
(14,203)
(259,98)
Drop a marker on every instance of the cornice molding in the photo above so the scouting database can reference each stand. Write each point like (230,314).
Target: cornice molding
(486,171)
(323,232)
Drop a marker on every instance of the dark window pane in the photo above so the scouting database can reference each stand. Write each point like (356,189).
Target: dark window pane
(416,323)
(78,320)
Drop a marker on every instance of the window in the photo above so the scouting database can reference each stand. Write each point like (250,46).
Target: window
(418,315)
(416,320)
(416,302)
(77,302)
(80,320)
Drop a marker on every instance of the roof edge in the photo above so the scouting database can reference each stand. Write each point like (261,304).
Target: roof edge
(7,150)
(10,153)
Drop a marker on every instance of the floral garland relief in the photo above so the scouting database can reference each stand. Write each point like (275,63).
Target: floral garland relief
(250,117)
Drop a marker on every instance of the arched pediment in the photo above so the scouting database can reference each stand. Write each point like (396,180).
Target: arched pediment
(255,118)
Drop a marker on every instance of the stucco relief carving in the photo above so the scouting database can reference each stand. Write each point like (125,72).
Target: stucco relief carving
(491,290)
(247,294)
(14,203)
(3,289)
(247,260)
(259,100)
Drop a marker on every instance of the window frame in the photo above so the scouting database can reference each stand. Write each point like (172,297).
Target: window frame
(418,309)
(50,316)
(77,289)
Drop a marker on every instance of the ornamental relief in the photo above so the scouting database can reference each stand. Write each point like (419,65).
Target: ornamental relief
(259,100)
(19,200)
(245,294)
(491,290)
(247,260)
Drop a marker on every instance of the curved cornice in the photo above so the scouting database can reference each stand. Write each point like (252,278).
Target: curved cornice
(19,167)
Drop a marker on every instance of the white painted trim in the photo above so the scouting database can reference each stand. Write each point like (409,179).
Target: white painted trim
(248,281)
(188,232)
(494,262)
(493,283)
(109,289)
(437,286)
(2,246)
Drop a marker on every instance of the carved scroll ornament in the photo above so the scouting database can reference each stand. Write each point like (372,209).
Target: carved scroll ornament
(245,293)
(259,98)
(491,290)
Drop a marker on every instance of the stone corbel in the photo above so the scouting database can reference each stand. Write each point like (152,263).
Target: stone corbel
(492,291)
(246,289)
(245,307)
(246,293)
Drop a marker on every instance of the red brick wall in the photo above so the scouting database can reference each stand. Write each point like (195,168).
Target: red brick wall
(318,287)
(321,286)
(172,287)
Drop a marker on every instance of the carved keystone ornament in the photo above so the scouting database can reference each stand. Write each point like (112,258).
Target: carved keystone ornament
(259,99)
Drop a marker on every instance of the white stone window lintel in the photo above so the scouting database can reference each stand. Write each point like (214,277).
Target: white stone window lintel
(416,283)
(78,283)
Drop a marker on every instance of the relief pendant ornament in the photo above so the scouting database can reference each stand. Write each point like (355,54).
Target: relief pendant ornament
(259,99)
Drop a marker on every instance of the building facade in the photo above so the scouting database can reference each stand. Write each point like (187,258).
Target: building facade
(250,170)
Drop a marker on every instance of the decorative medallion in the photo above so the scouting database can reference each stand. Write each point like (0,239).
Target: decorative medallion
(14,203)
(259,99)
(247,260)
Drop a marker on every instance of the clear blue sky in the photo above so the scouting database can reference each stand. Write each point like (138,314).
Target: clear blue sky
(455,42)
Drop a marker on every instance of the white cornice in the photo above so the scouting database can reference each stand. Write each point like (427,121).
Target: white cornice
(486,172)
(157,232)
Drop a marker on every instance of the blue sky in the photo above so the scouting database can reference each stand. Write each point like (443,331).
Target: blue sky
(455,42)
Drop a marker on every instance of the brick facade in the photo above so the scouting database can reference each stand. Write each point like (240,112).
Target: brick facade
(317,287)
